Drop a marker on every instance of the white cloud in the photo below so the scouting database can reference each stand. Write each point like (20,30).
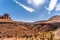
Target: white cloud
(52,5)
(25,7)
(58,7)
(36,2)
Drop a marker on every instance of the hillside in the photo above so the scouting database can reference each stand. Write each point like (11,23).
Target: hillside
(23,29)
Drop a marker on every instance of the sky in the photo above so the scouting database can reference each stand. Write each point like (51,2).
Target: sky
(30,10)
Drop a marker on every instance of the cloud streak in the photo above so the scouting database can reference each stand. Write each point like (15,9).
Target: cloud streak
(25,7)
(58,7)
(52,5)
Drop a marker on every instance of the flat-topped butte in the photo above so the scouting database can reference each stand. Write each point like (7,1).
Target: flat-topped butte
(5,18)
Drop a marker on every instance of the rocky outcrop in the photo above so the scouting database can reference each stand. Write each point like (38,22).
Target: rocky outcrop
(5,18)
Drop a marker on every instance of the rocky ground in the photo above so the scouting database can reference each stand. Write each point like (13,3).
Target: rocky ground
(27,30)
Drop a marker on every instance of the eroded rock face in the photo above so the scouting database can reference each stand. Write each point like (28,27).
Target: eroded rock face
(5,18)
(24,29)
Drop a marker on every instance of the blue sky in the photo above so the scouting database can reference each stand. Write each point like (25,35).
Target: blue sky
(30,10)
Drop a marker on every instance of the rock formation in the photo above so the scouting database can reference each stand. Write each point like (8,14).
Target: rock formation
(5,18)
(9,28)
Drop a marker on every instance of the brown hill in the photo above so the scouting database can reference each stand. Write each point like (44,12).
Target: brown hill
(21,29)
